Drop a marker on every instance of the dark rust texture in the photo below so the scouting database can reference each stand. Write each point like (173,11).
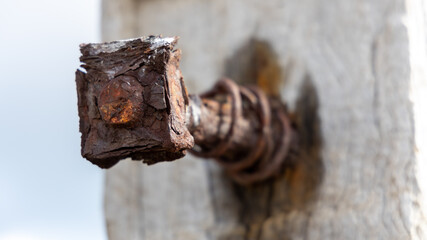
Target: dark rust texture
(132,102)
(248,133)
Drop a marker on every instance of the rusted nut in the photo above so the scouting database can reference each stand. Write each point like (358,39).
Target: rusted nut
(120,102)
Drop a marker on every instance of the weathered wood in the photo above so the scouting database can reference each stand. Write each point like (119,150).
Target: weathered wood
(356,66)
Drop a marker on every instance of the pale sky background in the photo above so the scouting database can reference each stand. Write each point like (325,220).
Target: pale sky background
(47,190)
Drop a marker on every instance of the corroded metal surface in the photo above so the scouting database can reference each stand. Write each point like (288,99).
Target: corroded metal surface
(258,135)
(120,101)
(133,103)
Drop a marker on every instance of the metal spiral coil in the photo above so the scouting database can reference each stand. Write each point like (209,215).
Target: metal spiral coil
(266,157)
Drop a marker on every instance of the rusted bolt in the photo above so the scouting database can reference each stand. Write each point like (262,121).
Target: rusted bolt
(246,131)
(120,101)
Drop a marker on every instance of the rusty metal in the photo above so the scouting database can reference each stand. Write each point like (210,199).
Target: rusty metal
(133,103)
(120,101)
(227,86)
(265,158)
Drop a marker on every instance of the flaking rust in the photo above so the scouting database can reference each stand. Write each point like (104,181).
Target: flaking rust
(132,101)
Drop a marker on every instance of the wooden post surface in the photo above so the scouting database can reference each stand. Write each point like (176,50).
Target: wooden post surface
(354,75)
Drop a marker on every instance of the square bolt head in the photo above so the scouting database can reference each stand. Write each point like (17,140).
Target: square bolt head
(132,101)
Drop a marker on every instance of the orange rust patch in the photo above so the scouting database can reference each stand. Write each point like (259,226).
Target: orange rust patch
(117,113)
(120,102)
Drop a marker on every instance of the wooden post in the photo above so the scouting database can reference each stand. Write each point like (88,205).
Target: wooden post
(354,75)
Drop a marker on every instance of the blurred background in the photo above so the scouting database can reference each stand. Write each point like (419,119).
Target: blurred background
(364,62)
(47,191)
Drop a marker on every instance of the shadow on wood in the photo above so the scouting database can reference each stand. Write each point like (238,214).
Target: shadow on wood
(267,209)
